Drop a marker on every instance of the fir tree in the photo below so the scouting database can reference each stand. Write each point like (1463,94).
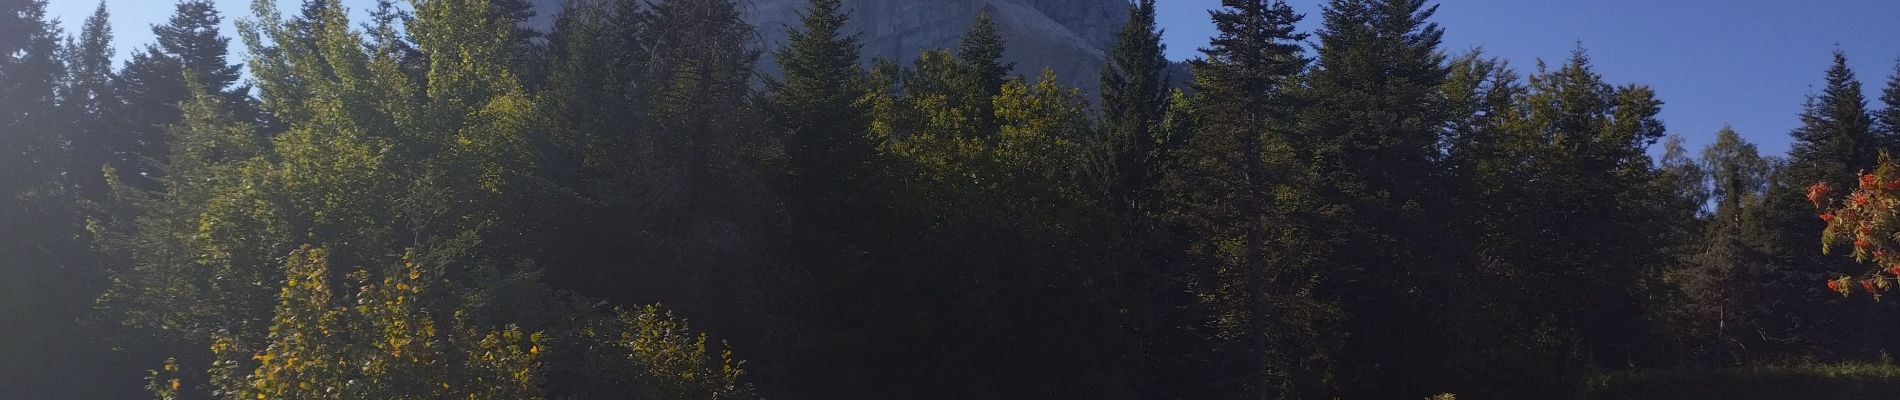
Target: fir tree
(87,99)
(1586,142)
(831,190)
(981,50)
(818,117)
(1238,162)
(153,83)
(192,35)
(980,56)
(1371,126)
(1137,146)
(1833,143)
(1135,101)
(48,276)
(1834,140)
(1888,118)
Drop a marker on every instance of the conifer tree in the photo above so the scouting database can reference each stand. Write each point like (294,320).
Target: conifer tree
(1135,148)
(515,12)
(87,99)
(1834,139)
(1833,143)
(33,71)
(152,84)
(981,50)
(48,276)
(817,116)
(1585,142)
(1135,101)
(1372,126)
(833,194)
(1238,161)
(657,99)
(980,56)
(1888,118)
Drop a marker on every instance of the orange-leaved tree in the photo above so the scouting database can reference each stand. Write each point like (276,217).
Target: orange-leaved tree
(1867,220)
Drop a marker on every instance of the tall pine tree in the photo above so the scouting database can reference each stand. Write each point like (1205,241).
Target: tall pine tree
(152,84)
(1135,101)
(1371,128)
(1834,142)
(835,199)
(1138,145)
(980,54)
(1888,118)
(48,277)
(817,116)
(89,103)
(1238,162)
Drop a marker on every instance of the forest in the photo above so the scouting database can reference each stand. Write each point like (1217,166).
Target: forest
(436,202)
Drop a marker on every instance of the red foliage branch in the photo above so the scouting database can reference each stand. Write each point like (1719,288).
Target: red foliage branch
(1868,217)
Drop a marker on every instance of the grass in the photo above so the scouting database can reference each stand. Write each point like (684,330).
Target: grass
(1782,382)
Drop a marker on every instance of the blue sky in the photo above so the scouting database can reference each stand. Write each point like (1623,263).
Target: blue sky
(1746,63)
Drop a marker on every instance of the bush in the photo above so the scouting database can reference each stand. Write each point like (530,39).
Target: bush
(1789,382)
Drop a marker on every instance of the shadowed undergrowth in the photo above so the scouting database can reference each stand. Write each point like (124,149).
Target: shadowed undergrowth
(1791,382)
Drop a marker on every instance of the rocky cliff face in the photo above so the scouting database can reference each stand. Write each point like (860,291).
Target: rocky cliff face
(1069,36)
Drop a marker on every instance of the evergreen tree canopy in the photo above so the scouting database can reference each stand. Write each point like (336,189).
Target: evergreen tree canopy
(440,202)
(1135,98)
(89,104)
(1371,123)
(1239,162)
(1888,119)
(190,48)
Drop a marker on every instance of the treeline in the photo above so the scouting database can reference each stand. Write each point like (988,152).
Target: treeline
(438,203)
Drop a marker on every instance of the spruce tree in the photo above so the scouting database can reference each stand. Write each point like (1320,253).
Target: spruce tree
(515,13)
(192,35)
(817,116)
(153,83)
(1888,118)
(33,70)
(1136,148)
(981,50)
(980,56)
(1585,142)
(1134,100)
(87,99)
(1237,166)
(48,277)
(1372,126)
(1833,143)
(834,197)
(1835,138)
(672,134)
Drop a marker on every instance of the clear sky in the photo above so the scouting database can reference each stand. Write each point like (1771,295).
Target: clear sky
(1746,63)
